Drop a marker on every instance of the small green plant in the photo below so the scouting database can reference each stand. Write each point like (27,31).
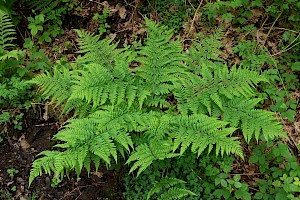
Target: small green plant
(47,17)
(16,67)
(12,87)
(36,24)
(12,172)
(280,169)
(171,13)
(5,195)
(239,12)
(101,18)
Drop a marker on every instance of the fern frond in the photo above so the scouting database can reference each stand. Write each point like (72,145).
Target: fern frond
(176,193)
(200,132)
(212,86)
(155,125)
(6,32)
(96,137)
(145,154)
(172,192)
(58,162)
(253,122)
(56,86)
(97,51)
(205,52)
(97,86)
(161,61)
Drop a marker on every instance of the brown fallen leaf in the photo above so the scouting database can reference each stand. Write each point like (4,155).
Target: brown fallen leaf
(99,174)
(256,12)
(45,116)
(141,31)
(122,11)
(23,142)
(297,127)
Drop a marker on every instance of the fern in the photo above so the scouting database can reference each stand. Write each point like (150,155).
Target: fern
(6,32)
(172,192)
(128,112)
(253,122)
(161,63)
(97,51)
(145,154)
(167,133)
(199,94)
(205,52)
(55,86)
(97,136)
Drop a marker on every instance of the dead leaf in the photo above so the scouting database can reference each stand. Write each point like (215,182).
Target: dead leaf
(45,115)
(228,46)
(257,179)
(256,13)
(99,174)
(9,183)
(297,127)
(261,36)
(23,142)
(173,9)
(141,31)
(42,197)
(137,3)
(105,4)
(122,11)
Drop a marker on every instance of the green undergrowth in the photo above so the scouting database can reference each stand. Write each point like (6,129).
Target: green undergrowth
(16,68)
(275,171)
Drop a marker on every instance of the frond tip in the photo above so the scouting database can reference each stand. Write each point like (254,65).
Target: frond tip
(6,31)
(165,186)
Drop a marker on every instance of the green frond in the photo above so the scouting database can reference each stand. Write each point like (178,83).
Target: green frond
(97,86)
(80,108)
(6,32)
(204,52)
(56,86)
(253,122)
(161,62)
(103,146)
(90,132)
(155,125)
(97,51)
(57,162)
(145,154)
(172,192)
(200,132)
(210,88)
(176,193)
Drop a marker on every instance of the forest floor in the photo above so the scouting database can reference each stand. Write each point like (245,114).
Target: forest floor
(20,149)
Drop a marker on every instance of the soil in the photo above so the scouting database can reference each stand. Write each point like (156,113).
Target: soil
(19,151)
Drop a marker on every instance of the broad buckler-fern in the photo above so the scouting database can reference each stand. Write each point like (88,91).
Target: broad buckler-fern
(174,100)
